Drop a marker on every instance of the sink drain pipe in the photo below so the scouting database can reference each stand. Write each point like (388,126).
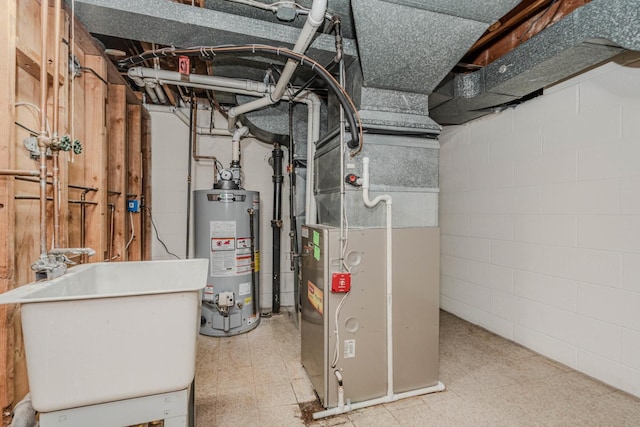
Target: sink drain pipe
(23,414)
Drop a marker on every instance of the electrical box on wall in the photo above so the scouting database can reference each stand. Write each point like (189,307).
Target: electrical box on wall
(133,206)
(341,282)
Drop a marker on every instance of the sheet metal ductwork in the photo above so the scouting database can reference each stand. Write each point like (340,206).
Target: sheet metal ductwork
(411,45)
(590,35)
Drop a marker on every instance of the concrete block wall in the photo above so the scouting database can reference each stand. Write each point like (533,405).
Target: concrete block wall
(170,154)
(540,217)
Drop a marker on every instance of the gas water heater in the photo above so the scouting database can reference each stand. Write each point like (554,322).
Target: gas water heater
(227,234)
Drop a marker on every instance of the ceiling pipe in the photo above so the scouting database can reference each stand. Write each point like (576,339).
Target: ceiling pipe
(314,20)
(310,99)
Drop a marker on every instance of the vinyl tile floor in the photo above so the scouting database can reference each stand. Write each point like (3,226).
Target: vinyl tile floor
(256,379)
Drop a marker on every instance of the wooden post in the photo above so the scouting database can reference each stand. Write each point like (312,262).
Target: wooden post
(95,155)
(134,184)
(8,16)
(117,168)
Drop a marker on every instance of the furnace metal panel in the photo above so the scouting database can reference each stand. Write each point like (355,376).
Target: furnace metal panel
(362,322)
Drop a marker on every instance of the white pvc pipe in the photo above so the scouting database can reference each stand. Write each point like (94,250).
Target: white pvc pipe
(313,134)
(310,99)
(200,130)
(235,142)
(377,401)
(389,277)
(314,20)
(140,74)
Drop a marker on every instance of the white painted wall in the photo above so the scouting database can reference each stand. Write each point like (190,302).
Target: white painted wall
(170,155)
(540,217)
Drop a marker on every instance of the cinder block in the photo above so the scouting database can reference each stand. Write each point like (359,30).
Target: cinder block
(472,248)
(586,198)
(494,201)
(550,168)
(491,175)
(454,224)
(454,203)
(517,310)
(492,276)
(454,180)
(630,348)
(616,306)
(546,345)
(523,256)
(609,232)
(631,272)
(446,244)
(587,265)
(491,226)
(527,200)
(467,293)
(609,161)
(550,290)
(454,267)
(546,229)
(630,122)
(629,200)
(584,332)
(610,372)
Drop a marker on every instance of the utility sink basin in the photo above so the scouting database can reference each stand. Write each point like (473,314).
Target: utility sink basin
(110,331)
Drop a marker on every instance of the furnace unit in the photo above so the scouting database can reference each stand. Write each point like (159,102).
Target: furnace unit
(344,335)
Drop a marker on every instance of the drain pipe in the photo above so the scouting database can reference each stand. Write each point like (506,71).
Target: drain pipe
(314,20)
(23,414)
(276,226)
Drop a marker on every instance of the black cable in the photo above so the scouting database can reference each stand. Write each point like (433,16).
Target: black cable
(157,235)
(210,52)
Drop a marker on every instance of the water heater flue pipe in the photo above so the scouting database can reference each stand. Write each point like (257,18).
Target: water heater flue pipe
(314,20)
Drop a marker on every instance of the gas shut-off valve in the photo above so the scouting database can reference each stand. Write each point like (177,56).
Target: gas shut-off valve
(224,301)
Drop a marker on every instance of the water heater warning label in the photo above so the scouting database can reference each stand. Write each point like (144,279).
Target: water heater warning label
(223,248)
(349,349)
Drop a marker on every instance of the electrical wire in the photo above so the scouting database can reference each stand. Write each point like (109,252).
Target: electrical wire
(336,348)
(157,235)
(210,52)
(37,109)
(132,232)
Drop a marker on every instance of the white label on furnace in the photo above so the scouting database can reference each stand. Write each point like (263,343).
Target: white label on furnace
(349,349)
(244,289)
(305,232)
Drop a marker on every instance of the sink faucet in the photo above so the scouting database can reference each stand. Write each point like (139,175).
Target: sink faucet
(54,263)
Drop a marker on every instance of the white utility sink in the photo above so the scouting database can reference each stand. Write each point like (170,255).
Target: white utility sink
(110,331)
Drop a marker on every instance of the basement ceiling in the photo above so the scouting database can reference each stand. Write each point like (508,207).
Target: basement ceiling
(471,57)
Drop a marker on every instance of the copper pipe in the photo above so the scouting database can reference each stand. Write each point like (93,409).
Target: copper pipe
(43,138)
(56,196)
(56,125)
(18,172)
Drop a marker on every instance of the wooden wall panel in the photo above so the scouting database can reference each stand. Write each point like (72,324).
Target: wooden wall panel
(8,16)
(134,176)
(95,155)
(117,170)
